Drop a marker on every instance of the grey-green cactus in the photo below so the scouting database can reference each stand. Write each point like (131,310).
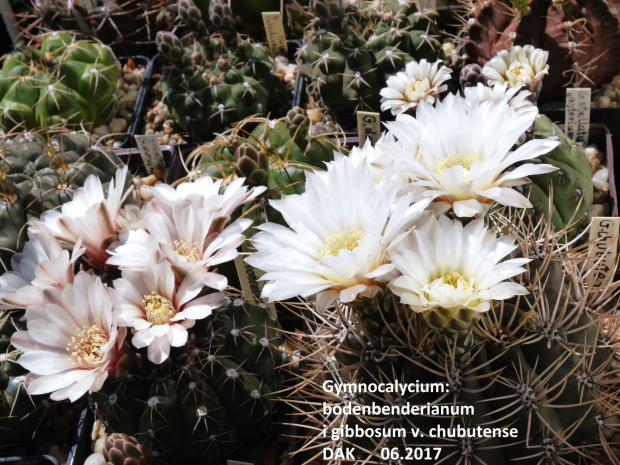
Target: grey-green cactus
(41,171)
(570,186)
(543,366)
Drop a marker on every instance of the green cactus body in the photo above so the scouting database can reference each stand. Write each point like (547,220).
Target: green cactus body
(351,48)
(215,78)
(210,399)
(63,81)
(40,172)
(570,186)
(282,150)
(543,364)
(582,38)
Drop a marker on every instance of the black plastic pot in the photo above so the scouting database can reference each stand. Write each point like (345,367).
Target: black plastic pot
(602,137)
(132,158)
(35,460)
(138,108)
(81,446)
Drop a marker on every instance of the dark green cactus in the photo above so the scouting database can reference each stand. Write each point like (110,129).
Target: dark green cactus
(58,79)
(544,364)
(570,186)
(40,172)
(128,25)
(211,398)
(216,78)
(351,48)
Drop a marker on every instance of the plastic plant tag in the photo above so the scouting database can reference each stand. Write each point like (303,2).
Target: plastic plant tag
(151,153)
(250,285)
(604,248)
(274,27)
(578,114)
(368,126)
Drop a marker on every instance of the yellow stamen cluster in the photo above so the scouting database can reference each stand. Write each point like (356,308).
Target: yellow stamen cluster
(453,278)
(460,159)
(188,250)
(158,309)
(336,242)
(86,347)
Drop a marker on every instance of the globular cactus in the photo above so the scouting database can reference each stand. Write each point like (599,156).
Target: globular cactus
(41,171)
(351,48)
(275,154)
(216,78)
(543,366)
(570,187)
(582,38)
(58,79)
(212,398)
(128,26)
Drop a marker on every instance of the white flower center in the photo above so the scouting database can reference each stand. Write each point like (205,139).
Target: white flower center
(158,309)
(336,242)
(450,290)
(519,72)
(453,278)
(416,90)
(188,250)
(86,347)
(459,159)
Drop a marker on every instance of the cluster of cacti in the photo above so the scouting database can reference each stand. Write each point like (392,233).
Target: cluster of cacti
(41,171)
(275,154)
(543,366)
(58,79)
(582,37)
(215,77)
(570,187)
(212,397)
(350,48)
(128,25)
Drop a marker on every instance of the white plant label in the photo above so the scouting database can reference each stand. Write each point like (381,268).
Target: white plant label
(604,249)
(578,114)
(274,27)
(151,153)
(368,126)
